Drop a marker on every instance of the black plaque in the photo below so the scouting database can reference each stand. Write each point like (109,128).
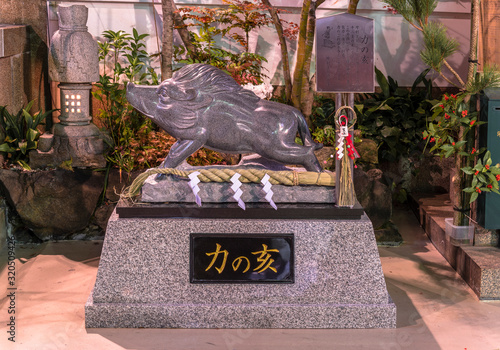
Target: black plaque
(345,54)
(236,258)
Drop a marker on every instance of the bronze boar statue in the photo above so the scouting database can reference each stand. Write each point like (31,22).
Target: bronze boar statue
(202,106)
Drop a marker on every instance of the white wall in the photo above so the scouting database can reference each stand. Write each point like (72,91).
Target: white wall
(397,44)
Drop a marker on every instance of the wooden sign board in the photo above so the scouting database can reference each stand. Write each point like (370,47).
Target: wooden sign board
(345,54)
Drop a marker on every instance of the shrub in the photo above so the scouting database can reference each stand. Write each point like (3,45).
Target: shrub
(20,133)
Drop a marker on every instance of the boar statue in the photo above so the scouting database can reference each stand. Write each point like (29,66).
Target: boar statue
(202,106)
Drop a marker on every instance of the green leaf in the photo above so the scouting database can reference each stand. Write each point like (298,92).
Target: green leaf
(474,182)
(481,178)
(23,146)
(468,171)
(388,131)
(4,147)
(382,82)
(420,78)
(473,197)
(479,165)
(31,135)
(24,165)
(449,153)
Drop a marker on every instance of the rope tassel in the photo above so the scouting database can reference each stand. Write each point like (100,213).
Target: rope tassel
(346,152)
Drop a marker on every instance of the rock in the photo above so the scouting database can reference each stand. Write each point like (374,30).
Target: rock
(373,195)
(388,236)
(53,203)
(326,157)
(368,152)
(102,214)
(433,174)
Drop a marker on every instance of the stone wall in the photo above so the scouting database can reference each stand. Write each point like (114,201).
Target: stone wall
(13,54)
(29,77)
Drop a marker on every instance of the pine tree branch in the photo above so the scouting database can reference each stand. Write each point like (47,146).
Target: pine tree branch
(447,65)
(448,80)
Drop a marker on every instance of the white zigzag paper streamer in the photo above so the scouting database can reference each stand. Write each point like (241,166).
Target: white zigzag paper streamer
(340,148)
(268,191)
(194,186)
(237,190)
(344,132)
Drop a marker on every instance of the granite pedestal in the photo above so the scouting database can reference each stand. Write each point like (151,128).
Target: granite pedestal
(144,277)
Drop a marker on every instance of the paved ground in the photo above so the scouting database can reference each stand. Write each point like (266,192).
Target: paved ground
(436,309)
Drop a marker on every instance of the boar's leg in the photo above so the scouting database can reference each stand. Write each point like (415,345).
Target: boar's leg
(178,152)
(293,154)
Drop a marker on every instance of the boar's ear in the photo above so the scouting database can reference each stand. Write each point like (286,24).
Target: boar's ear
(178,93)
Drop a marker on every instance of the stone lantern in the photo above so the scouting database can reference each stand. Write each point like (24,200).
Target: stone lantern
(74,63)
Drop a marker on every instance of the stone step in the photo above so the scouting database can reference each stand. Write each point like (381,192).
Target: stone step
(478,265)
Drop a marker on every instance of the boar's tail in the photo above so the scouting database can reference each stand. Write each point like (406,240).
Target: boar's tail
(304,133)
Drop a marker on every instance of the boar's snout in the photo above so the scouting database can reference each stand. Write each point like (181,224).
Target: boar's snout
(143,98)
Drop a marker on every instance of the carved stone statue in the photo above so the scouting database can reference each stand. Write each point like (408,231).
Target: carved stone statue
(201,106)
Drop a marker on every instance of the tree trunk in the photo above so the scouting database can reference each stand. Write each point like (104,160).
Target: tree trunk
(182,29)
(474,36)
(353,5)
(167,41)
(298,72)
(307,89)
(307,30)
(283,48)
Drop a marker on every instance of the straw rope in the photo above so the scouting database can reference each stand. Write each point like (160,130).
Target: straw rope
(248,175)
(345,194)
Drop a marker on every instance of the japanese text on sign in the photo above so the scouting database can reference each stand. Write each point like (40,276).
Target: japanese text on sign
(237,258)
(345,54)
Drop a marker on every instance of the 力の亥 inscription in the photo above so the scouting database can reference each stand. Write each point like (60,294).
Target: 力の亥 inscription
(241,259)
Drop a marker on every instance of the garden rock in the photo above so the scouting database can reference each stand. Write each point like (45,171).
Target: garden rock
(368,151)
(388,235)
(433,174)
(53,203)
(373,195)
(326,157)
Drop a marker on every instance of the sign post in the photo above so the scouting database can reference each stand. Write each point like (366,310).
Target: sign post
(345,65)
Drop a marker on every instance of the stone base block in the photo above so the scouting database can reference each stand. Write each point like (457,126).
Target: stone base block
(239,316)
(84,152)
(177,190)
(143,278)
